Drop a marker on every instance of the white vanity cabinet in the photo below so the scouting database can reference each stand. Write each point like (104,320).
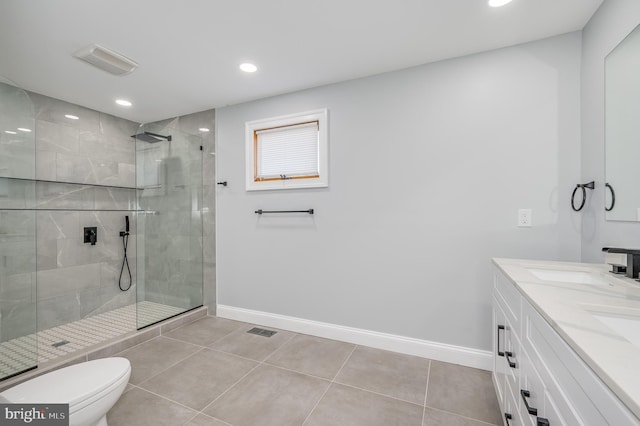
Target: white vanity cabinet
(539,379)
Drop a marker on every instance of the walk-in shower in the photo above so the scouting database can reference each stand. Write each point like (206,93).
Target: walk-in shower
(141,198)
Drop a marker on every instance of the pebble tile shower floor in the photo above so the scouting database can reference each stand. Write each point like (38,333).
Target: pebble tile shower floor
(18,354)
(212,372)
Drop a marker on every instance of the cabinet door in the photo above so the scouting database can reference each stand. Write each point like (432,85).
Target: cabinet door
(512,353)
(511,414)
(552,413)
(531,394)
(511,300)
(499,362)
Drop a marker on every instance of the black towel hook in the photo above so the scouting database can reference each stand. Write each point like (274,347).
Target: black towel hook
(584,186)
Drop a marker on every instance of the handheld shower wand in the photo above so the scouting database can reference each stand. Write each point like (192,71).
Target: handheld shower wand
(125,242)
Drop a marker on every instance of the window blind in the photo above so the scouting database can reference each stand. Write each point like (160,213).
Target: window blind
(290,151)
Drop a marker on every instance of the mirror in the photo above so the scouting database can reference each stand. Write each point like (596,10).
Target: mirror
(622,130)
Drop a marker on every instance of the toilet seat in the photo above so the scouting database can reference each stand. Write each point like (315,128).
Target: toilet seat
(78,385)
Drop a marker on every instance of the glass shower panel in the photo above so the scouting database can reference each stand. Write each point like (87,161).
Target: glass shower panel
(18,342)
(17,133)
(169,222)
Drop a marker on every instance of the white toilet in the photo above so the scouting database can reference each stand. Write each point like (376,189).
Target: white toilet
(90,388)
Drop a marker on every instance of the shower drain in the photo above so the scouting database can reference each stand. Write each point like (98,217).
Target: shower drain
(262,332)
(60,343)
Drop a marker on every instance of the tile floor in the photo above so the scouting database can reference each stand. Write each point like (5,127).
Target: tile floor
(211,372)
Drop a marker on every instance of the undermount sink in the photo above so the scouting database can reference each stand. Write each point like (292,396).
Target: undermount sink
(565,276)
(625,326)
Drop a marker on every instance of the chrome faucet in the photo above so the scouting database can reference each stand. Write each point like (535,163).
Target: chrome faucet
(633,261)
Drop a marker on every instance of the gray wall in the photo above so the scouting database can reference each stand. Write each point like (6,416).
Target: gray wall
(428,167)
(611,23)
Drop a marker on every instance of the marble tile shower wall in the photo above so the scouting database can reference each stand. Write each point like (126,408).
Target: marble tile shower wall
(77,280)
(179,241)
(96,148)
(17,273)
(191,124)
(16,147)
(209,188)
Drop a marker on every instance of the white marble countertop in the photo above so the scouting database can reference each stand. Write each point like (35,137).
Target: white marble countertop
(570,308)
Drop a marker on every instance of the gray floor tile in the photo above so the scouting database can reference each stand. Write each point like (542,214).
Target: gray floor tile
(199,379)
(141,408)
(312,355)
(155,356)
(462,390)
(269,396)
(203,420)
(250,345)
(346,406)
(389,373)
(441,418)
(205,331)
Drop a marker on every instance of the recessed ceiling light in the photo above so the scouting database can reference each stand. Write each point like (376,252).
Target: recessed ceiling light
(498,3)
(247,67)
(24,129)
(203,129)
(72,117)
(11,132)
(123,102)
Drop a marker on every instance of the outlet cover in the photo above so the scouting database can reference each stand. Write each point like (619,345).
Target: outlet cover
(524,218)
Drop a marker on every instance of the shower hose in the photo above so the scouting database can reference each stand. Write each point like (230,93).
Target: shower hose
(125,261)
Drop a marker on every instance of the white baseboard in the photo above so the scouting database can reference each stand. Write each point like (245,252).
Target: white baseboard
(407,345)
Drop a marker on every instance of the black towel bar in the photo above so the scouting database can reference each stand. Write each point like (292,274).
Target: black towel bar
(310,211)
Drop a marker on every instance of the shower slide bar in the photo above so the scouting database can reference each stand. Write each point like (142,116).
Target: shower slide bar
(310,211)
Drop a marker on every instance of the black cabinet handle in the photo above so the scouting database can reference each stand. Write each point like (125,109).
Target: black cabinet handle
(507,417)
(500,327)
(613,197)
(511,363)
(542,422)
(223,183)
(526,394)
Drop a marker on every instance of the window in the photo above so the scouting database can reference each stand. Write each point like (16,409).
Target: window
(287,152)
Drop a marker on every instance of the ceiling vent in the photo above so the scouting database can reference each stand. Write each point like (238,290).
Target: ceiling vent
(105,59)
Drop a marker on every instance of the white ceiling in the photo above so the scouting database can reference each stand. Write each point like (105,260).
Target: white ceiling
(189,50)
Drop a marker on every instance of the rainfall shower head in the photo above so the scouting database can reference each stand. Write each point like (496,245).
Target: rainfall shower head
(151,137)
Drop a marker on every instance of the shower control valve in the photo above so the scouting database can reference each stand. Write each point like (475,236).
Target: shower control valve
(91,235)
